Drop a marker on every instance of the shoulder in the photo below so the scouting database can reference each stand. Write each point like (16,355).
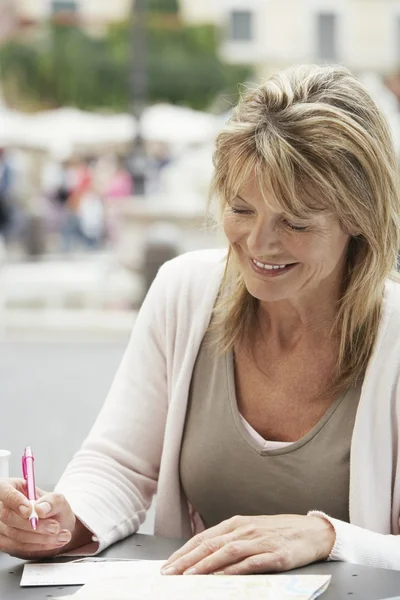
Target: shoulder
(183,295)
(389,329)
(187,284)
(389,349)
(194,269)
(200,258)
(391,303)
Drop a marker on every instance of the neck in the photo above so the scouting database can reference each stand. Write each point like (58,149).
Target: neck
(288,321)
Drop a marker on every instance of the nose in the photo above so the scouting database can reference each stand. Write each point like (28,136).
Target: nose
(263,239)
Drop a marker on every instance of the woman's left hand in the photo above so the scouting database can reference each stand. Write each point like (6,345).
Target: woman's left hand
(261,544)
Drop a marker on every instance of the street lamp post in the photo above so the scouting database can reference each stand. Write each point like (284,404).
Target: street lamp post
(139,90)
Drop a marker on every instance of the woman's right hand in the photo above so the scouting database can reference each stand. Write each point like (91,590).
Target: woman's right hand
(55,527)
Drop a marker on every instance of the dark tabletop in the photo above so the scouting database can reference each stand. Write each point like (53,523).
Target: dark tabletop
(349,582)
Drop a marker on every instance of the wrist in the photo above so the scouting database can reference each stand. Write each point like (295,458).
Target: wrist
(326,536)
(80,536)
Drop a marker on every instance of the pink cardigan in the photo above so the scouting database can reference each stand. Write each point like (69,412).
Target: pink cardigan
(133,448)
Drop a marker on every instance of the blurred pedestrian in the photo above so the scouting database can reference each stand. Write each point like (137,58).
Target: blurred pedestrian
(159,157)
(91,218)
(5,200)
(72,192)
(117,192)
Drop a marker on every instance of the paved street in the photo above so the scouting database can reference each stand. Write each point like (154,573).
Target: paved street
(50,392)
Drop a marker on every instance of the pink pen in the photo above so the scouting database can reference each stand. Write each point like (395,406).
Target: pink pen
(29,476)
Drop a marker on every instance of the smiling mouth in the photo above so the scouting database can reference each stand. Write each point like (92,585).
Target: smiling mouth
(268,266)
(270,269)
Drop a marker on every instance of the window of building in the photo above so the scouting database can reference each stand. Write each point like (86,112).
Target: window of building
(327,37)
(241,26)
(64,6)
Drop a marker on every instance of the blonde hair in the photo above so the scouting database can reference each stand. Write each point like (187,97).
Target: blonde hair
(315,139)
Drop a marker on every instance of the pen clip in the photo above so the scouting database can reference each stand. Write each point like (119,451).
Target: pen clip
(24,472)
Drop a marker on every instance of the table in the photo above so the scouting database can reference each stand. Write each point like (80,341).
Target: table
(349,582)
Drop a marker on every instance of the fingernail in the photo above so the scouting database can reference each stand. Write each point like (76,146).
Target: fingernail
(52,528)
(44,507)
(219,573)
(191,571)
(24,510)
(63,537)
(168,571)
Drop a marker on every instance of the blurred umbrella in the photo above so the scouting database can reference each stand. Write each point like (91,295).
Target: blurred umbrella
(69,130)
(13,126)
(176,124)
(65,131)
(191,172)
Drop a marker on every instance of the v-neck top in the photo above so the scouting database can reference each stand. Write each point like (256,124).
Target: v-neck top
(227,468)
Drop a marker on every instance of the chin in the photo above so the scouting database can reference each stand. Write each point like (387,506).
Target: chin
(266,293)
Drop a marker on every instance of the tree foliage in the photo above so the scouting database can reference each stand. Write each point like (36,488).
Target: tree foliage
(70,67)
(163,6)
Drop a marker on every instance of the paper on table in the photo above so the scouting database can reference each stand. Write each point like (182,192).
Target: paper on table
(79,572)
(204,587)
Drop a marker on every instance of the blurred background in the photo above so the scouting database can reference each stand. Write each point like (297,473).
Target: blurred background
(108,114)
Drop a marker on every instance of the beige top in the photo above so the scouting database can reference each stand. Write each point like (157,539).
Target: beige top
(227,471)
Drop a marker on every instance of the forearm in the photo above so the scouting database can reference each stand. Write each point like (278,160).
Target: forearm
(362,546)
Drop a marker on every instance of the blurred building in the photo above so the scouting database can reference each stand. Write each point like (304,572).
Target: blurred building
(93,13)
(269,34)
(206,11)
(8,20)
(362,34)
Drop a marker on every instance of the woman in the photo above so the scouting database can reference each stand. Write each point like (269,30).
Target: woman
(252,377)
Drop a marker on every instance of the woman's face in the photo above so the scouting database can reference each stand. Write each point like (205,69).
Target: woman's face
(281,258)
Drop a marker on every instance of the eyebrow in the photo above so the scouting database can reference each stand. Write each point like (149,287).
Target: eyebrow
(281,214)
(242,199)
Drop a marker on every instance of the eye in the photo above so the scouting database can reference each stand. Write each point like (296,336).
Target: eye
(295,227)
(240,211)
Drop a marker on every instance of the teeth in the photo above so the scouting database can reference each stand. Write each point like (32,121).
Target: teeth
(268,267)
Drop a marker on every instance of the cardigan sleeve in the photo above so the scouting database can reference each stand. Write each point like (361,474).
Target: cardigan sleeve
(356,544)
(111,480)
(362,546)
